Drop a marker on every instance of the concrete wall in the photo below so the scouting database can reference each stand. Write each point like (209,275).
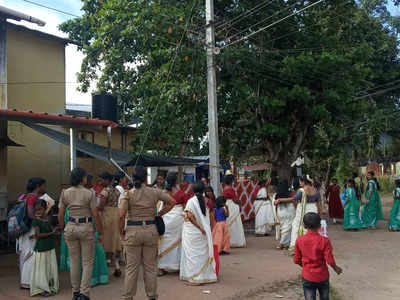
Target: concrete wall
(36,76)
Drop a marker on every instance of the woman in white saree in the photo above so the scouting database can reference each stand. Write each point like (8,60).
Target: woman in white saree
(169,253)
(197,261)
(307,199)
(285,213)
(263,210)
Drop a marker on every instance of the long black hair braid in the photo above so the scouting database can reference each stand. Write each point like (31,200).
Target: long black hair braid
(198,189)
(172,178)
(139,176)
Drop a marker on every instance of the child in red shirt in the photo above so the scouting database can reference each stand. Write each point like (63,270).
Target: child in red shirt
(313,252)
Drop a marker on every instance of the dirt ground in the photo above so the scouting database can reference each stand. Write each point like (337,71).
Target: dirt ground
(370,260)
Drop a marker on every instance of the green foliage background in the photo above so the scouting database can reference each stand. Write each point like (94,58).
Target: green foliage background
(315,83)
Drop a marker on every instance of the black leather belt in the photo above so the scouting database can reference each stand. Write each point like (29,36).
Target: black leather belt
(140,223)
(80,220)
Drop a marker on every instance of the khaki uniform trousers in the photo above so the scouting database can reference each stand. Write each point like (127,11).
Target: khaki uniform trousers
(141,250)
(80,242)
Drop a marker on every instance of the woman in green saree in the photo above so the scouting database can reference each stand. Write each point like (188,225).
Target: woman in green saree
(100,270)
(372,211)
(352,219)
(394,221)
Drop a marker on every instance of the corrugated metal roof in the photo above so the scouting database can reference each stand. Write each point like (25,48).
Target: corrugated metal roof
(123,158)
(94,150)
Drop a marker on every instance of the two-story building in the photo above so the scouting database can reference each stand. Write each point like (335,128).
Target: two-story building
(33,89)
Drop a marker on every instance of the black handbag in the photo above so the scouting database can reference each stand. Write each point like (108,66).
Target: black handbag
(160,225)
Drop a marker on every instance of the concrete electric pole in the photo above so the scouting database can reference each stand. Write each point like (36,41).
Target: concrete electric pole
(212,99)
(3,124)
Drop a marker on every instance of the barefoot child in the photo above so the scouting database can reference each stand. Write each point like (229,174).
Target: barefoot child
(44,277)
(220,233)
(313,252)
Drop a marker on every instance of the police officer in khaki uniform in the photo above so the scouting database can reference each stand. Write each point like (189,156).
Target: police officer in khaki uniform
(141,236)
(79,231)
(108,206)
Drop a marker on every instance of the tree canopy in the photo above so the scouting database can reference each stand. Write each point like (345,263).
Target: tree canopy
(321,81)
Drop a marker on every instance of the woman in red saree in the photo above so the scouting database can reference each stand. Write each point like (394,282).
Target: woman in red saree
(332,195)
(211,203)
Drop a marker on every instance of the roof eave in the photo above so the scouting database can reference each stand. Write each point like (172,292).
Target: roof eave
(53,119)
(42,34)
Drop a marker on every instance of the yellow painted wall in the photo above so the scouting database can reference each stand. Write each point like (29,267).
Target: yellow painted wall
(33,62)
(36,76)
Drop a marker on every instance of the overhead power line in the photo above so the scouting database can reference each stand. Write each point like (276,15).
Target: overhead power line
(245,14)
(262,21)
(51,8)
(175,54)
(379,92)
(380,86)
(270,25)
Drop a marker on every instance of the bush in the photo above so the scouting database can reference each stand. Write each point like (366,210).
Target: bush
(386,183)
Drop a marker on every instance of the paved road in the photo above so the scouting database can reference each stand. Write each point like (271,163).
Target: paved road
(243,270)
(370,260)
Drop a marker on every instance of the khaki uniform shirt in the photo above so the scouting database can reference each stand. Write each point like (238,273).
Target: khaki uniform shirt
(79,200)
(141,204)
(111,196)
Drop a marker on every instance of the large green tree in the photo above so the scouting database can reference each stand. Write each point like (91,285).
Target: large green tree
(300,85)
(148,54)
(310,84)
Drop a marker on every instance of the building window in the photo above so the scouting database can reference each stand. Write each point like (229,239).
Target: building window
(88,137)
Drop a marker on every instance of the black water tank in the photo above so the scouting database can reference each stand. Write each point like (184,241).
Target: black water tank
(104,106)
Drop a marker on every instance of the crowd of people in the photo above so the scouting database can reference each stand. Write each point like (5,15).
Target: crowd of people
(109,223)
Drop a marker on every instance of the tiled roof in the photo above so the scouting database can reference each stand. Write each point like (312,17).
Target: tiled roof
(53,119)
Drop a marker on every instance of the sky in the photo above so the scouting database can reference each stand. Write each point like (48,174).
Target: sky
(73,56)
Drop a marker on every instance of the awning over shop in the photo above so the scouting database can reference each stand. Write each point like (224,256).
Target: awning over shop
(259,167)
(162,161)
(94,150)
(7,142)
(123,158)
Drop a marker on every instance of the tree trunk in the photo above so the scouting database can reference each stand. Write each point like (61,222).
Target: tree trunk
(180,169)
(328,175)
(284,170)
